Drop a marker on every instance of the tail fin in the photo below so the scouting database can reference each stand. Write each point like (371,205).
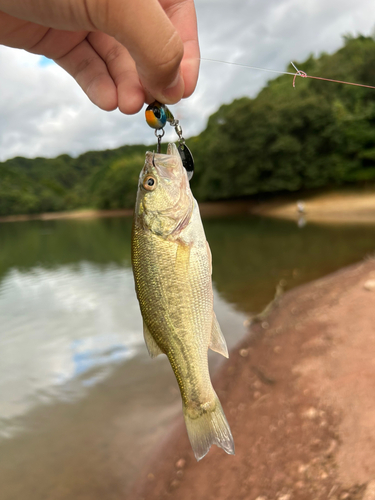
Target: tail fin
(206,427)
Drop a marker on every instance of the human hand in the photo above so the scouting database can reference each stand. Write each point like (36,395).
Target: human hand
(121,52)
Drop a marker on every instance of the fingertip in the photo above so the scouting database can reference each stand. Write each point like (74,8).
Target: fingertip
(174,92)
(190,72)
(131,101)
(149,97)
(102,92)
(107,102)
(162,76)
(170,95)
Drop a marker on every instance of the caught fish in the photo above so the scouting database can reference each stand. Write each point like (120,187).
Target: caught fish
(172,270)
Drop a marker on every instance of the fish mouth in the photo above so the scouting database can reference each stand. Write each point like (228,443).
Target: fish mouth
(165,159)
(158,168)
(169,168)
(164,165)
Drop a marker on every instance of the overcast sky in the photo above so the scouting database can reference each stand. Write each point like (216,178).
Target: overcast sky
(43,112)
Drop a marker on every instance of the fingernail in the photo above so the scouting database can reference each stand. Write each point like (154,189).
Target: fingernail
(174,91)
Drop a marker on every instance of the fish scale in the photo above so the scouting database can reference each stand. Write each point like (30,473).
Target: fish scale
(172,271)
(164,312)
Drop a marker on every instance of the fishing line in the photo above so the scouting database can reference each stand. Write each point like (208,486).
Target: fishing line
(158,114)
(298,72)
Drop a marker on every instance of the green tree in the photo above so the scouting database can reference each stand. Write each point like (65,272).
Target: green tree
(115,186)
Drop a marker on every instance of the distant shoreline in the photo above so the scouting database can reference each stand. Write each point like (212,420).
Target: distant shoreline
(330,208)
(208,209)
(74,214)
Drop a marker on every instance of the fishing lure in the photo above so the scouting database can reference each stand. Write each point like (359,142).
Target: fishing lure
(157,116)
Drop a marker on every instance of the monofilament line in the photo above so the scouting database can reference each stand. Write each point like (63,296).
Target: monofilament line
(246,66)
(298,72)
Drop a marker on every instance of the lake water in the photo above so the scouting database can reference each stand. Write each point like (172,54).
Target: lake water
(81,404)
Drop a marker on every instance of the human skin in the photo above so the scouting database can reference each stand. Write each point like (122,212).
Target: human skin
(122,53)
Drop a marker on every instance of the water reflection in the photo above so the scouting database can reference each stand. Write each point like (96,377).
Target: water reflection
(50,244)
(71,332)
(67,303)
(58,324)
(66,329)
(252,255)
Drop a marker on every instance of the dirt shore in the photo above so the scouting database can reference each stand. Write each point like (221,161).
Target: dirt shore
(339,208)
(299,394)
(334,207)
(74,214)
(208,209)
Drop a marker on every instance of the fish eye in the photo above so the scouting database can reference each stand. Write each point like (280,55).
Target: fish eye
(156,112)
(149,183)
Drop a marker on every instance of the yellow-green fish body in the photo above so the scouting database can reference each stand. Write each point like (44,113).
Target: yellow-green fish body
(172,269)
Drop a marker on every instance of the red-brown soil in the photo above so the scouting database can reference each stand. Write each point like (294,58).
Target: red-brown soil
(299,394)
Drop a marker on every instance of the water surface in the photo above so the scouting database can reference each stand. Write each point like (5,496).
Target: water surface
(81,404)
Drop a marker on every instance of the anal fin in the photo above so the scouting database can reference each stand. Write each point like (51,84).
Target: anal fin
(152,347)
(217,342)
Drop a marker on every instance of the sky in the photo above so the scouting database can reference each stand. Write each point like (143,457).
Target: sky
(43,112)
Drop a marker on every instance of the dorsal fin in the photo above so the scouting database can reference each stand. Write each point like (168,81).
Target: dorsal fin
(172,150)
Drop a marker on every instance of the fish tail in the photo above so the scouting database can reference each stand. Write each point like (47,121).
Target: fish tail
(207,425)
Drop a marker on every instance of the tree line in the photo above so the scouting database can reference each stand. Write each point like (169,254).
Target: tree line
(316,135)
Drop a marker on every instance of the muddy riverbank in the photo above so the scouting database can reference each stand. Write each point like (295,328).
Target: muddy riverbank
(299,394)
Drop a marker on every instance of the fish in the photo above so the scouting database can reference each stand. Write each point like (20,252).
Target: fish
(172,269)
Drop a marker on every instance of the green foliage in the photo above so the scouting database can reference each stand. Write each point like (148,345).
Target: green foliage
(316,135)
(115,186)
(66,183)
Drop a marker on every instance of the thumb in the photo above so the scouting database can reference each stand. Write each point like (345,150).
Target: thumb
(145,30)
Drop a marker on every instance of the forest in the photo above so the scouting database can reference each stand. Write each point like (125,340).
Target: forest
(316,135)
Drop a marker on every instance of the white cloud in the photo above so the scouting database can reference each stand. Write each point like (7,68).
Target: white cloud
(59,324)
(43,112)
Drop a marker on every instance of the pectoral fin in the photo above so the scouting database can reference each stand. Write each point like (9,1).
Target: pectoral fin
(217,342)
(152,347)
(209,256)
